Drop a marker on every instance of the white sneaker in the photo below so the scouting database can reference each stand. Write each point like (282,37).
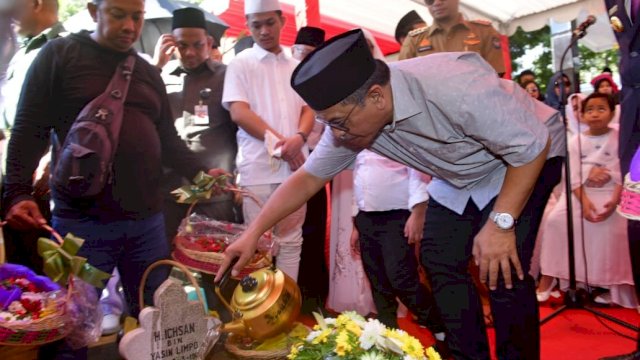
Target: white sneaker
(604,298)
(110,324)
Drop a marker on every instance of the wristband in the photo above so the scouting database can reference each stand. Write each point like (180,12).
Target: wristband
(303,136)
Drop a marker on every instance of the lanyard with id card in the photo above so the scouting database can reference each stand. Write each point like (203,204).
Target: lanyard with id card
(201,110)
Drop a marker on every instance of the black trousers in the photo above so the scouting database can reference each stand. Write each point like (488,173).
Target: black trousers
(446,250)
(313,277)
(392,269)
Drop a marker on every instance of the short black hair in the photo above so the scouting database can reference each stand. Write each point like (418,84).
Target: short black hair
(594,95)
(527,72)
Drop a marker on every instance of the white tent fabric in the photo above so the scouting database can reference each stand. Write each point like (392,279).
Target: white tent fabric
(506,15)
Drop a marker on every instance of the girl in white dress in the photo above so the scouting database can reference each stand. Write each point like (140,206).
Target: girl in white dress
(602,256)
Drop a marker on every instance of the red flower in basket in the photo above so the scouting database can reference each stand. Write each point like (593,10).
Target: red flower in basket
(23,294)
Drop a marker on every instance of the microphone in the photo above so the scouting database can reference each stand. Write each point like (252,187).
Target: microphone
(579,32)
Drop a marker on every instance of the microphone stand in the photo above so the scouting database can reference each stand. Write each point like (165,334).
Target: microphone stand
(572,300)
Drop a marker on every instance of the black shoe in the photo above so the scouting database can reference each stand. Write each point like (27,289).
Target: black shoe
(630,356)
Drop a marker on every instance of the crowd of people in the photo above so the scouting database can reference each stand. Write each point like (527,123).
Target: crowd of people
(472,197)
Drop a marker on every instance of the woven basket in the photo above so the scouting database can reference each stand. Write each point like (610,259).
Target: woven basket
(210,262)
(38,332)
(180,266)
(42,331)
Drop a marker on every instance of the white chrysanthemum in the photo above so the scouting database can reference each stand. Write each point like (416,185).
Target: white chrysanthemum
(355,317)
(7,316)
(17,308)
(330,321)
(394,345)
(312,335)
(407,357)
(372,334)
(372,356)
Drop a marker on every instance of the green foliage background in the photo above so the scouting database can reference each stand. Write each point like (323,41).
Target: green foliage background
(71,7)
(591,64)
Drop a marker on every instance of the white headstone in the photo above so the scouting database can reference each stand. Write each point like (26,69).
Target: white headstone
(173,329)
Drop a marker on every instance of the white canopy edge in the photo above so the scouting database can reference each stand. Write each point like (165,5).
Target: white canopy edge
(508,16)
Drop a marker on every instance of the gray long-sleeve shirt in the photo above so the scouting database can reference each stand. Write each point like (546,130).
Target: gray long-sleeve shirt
(456,120)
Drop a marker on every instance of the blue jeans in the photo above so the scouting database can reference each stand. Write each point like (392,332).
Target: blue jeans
(131,245)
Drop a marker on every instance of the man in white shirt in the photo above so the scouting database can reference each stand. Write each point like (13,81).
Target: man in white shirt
(273,122)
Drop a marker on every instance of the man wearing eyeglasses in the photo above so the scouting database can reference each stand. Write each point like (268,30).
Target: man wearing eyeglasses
(451,32)
(273,121)
(491,138)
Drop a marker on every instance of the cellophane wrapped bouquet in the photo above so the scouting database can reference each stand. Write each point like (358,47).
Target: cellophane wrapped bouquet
(201,242)
(352,337)
(33,309)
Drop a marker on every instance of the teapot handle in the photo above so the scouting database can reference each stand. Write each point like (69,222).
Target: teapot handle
(218,284)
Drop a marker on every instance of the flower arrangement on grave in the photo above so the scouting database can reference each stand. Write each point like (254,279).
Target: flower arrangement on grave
(352,337)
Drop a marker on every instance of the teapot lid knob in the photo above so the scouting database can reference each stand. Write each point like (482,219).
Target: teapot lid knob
(248,283)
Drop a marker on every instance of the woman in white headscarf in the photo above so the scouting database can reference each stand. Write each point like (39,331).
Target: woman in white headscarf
(349,288)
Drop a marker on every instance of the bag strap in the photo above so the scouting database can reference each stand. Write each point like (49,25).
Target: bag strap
(118,89)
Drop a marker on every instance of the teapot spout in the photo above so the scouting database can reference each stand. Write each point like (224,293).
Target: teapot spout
(235,327)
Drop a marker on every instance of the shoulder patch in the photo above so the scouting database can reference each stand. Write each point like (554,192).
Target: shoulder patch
(418,31)
(481,22)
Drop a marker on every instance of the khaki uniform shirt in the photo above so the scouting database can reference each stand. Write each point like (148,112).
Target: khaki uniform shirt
(476,35)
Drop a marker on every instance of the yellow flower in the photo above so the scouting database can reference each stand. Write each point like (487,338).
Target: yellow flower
(294,352)
(342,321)
(432,354)
(353,328)
(322,338)
(343,346)
(412,347)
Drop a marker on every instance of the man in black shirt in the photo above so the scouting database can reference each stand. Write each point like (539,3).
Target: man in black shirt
(123,226)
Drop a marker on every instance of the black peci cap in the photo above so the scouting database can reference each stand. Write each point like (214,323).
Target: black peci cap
(406,24)
(188,18)
(334,70)
(309,35)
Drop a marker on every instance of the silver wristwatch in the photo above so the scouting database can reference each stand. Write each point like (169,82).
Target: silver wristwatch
(504,221)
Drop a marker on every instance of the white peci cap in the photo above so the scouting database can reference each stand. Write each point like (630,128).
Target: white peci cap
(259,6)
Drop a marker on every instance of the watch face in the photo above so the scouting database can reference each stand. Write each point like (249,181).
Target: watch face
(504,221)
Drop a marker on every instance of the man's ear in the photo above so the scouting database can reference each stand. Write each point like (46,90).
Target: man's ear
(38,5)
(376,95)
(93,11)
(283,19)
(210,41)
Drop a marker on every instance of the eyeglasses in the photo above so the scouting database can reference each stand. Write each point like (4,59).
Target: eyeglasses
(566,83)
(339,125)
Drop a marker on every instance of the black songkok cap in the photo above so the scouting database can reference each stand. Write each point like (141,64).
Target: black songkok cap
(334,70)
(406,24)
(309,35)
(188,18)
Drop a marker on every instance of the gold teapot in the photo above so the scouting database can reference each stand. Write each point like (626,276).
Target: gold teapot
(265,303)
